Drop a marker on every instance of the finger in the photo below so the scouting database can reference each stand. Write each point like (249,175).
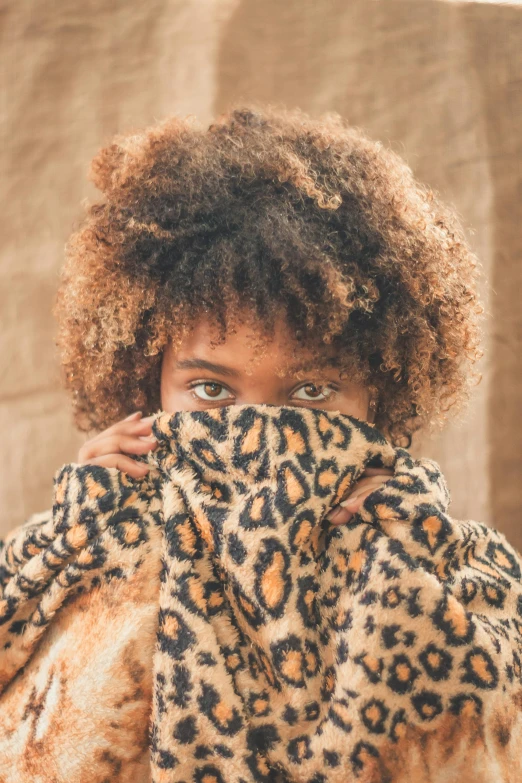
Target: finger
(339,516)
(135,430)
(129,429)
(378,472)
(343,512)
(334,513)
(355,502)
(362,486)
(369,482)
(115,444)
(123,463)
(141,427)
(132,418)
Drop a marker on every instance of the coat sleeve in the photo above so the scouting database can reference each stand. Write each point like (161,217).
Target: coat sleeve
(57,553)
(433,605)
(78,616)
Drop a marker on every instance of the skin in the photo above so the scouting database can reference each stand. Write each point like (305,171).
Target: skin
(200,376)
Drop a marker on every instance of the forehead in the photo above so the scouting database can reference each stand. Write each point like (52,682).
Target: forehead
(244,345)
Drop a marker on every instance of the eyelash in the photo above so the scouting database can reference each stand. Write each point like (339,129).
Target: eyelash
(334,389)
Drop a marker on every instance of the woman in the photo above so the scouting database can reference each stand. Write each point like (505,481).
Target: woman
(288,305)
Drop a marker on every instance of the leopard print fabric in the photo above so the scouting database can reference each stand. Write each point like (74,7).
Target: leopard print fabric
(207,624)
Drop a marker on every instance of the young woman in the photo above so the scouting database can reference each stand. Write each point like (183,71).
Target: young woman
(287,306)
(299,255)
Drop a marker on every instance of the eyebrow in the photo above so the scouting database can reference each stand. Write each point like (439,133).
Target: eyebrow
(202,364)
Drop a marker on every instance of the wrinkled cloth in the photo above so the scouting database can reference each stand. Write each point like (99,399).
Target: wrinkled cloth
(208,624)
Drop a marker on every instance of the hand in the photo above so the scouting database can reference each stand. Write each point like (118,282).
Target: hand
(371,479)
(133,435)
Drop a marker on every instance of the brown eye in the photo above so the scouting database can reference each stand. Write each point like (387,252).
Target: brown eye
(312,390)
(315,392)
(211,390)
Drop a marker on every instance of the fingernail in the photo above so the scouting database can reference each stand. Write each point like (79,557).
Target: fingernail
(333,514)
(133,415)
(349,502)
(148,437)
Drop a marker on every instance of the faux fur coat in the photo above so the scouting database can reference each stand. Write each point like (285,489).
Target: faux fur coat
(207,624)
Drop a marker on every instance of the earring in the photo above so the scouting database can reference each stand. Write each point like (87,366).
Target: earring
(373,404)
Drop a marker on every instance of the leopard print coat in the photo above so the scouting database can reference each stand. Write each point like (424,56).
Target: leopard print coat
(207,624)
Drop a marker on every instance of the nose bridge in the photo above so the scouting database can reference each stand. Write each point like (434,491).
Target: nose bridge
(272,397)
(262,389)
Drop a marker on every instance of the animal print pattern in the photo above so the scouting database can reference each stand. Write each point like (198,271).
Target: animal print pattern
(207,624)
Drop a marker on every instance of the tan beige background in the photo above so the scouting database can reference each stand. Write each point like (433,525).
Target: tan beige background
(439,82)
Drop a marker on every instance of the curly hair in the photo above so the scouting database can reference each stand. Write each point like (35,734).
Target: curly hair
(268,208)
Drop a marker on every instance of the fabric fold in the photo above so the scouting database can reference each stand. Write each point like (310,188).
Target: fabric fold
(249,640)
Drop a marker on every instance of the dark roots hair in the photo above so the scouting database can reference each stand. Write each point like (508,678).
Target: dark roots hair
(268,209)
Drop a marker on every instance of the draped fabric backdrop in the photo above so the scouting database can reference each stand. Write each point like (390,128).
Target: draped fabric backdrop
(438,82)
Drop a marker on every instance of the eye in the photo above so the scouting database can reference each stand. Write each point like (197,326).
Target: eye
(315,391)
(210,388)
